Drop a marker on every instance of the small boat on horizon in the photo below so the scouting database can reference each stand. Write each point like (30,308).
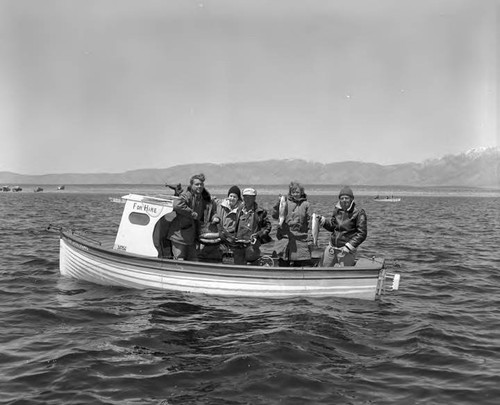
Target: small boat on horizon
(61,187)
(37,189)
(17,188)
(133,260)
(387,199)
(5,188)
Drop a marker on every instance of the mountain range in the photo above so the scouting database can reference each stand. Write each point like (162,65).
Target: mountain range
(474,168)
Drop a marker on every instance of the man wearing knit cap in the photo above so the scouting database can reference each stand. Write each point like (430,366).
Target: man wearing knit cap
(348,226)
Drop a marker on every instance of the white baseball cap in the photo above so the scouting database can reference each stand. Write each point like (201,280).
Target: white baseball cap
(249,191)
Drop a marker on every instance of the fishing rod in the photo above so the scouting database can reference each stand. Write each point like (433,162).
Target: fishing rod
(80,233)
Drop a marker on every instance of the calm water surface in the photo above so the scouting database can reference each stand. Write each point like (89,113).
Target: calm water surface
(436,341)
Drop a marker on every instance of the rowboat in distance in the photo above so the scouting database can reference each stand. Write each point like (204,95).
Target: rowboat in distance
(133,260)
(387,199)
(37,189)
(15,188)
(61,187)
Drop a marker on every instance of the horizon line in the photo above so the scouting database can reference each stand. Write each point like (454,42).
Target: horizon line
(477,149)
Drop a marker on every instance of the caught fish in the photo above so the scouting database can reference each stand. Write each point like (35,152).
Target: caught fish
(282,210)
(210,238)
(210,241)
(315,228)
(210,235)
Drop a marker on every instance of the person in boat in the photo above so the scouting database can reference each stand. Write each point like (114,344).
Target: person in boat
(209,241)
(160,232)
(292,245)
(217,236)
(192,208)
(251,230)
(349,229)
(226,215)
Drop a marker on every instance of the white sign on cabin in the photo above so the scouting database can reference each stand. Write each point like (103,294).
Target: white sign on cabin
(139,218)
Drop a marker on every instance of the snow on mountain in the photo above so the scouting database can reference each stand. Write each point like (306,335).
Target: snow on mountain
(478,167)
(475,153)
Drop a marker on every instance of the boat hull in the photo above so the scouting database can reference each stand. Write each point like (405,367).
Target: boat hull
(88,261)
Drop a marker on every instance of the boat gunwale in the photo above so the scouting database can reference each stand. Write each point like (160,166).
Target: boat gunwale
(82,243)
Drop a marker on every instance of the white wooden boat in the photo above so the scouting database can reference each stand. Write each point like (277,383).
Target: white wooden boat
(133,262)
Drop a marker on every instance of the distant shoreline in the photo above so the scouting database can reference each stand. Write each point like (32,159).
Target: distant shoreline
(480,169)
(266,190)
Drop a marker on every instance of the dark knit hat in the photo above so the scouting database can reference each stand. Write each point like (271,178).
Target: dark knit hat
(346,190)
(236,190)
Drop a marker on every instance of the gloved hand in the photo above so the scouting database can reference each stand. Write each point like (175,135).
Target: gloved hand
(322,220)
(227,237)
(344,250)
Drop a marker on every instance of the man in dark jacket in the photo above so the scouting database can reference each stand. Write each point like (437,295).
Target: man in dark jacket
(349,229)
(252,229)
(191,209)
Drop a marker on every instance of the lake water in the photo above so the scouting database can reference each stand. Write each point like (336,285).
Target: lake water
(435,341)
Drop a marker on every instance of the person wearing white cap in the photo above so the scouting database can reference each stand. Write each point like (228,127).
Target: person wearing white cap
(252,229)
(349,229)
(249,191)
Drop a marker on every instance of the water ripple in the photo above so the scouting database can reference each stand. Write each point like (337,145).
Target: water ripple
(433,342)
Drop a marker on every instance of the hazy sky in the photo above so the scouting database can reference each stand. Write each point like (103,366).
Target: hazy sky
(115,85)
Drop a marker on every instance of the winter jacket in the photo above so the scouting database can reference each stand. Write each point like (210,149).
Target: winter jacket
(254,222)
(292,243)
(227,218)
(349,228)
(185,229)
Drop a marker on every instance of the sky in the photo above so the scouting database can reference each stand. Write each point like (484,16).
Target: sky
(89,86)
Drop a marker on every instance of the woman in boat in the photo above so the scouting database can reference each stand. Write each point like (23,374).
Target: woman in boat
(252,229)
(349,229)
(226,215)
(292,246)
(220,230)
(193,208)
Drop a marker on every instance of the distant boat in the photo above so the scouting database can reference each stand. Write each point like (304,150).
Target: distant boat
(5,188)
(387,199)
(17,188)
(61,187)
(37,189)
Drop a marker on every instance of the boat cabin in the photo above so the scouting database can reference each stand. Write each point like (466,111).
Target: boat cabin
(140,227)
